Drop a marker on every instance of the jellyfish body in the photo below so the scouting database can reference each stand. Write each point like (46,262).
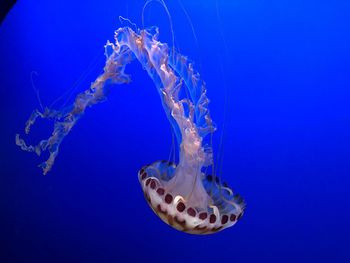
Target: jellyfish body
(207,207)
(182,195)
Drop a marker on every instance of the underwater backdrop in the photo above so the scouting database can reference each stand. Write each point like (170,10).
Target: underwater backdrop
(277,75)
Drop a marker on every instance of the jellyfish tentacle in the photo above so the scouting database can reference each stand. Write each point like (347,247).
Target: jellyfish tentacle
(65,120)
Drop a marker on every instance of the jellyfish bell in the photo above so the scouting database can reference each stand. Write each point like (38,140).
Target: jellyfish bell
(204,208)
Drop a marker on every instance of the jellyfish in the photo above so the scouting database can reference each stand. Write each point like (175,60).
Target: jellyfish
(181,194)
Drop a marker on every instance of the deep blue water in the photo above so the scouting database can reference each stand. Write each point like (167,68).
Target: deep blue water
(284,67)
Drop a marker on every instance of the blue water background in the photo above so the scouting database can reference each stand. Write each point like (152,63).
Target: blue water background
(284,67)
